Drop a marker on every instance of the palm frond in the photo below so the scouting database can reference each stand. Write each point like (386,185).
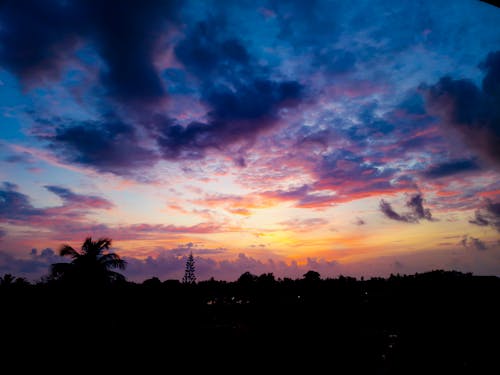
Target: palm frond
(67,250)
(87,245)
(112,260)
(103,243)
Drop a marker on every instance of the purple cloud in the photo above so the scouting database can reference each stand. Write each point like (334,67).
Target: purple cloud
(471,110)
(472,242)
(85,201)
(415,203)
(488,215)
(16,208)
(33,267)
(388,211)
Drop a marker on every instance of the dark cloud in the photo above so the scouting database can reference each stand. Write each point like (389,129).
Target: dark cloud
(478,244)
(86,201)
(241,96)
(109,146)
(125,34)
(472,242)
(450,168)
(250,100)
(206,50)
(389,212)
(15,206)
(238,113)
(3,233)
(488,215)
(37,37)
(415,204)
(473,111)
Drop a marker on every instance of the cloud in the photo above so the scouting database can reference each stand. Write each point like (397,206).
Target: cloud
(415,203)
(451,168)
(239,111)
(472,242)
(195,248)
(206,50)
(241,96)
(304,225)
(136,231)
(471,110)
(38,39)
(161,228)
(20,157)
(16,208)
(352,176)
(33,266)
(85,201)
(488,215)
(359,221)
(238,97)
(389,212)
(109,146)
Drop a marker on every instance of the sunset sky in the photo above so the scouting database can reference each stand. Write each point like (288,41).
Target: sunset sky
(357,138)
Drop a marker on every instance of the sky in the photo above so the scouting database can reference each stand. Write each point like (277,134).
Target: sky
(351,138)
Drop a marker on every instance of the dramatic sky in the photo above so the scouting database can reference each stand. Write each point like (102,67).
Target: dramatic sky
(355,138)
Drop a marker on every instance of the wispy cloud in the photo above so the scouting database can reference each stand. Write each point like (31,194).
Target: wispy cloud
(415,203)
(488,215)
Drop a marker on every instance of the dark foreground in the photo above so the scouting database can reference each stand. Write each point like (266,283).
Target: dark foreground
(437,322)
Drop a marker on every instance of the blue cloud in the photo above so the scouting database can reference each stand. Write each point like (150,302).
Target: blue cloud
(451,168)
(472,110)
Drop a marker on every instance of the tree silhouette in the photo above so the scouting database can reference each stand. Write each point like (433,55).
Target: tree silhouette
(92,265)
(189,275)
(247,278)
(312,276)
(9,280)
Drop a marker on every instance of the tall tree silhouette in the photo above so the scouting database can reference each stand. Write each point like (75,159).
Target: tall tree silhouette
(92,265)
(189,275)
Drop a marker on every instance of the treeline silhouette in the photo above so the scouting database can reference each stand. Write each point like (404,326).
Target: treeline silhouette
(433,322)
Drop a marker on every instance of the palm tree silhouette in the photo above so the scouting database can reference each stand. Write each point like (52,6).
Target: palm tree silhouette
(91,266)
